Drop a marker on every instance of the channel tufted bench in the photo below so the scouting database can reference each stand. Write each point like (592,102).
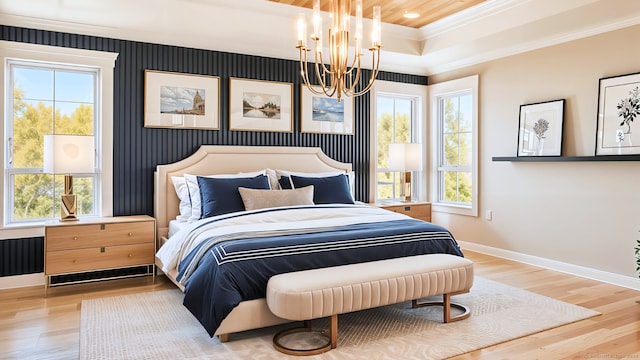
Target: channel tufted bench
(327,292)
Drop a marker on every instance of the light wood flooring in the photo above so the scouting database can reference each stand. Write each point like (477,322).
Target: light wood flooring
(35,327)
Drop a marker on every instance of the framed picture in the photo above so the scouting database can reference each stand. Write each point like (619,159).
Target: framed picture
(618,107)
(540,128)
(181,101)
(257,105)
(325,115)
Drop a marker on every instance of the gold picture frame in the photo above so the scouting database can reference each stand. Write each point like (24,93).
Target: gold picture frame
(259,105)
(325,115)
(181,101)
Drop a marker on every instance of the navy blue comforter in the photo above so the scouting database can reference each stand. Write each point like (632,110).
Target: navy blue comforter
(235,270)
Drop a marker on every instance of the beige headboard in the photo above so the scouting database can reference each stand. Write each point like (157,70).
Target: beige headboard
(214,159)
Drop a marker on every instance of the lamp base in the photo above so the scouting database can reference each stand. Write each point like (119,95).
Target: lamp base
(69,207)
(405,186)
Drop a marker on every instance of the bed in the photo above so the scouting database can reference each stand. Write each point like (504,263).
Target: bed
(219,244)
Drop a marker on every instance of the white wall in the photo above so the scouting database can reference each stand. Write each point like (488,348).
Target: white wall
(581,213)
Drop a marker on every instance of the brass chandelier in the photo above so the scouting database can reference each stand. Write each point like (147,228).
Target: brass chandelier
(342,76)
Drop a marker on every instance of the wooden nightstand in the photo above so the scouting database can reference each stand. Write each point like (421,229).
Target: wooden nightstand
(99,244)
(417,210)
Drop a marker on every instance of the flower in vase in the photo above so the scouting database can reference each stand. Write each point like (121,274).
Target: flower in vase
(629,108)
(540,127)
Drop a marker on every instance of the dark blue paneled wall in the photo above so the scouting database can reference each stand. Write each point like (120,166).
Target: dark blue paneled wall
(137,150)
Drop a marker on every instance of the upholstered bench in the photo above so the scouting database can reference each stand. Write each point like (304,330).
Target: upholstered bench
(327,292)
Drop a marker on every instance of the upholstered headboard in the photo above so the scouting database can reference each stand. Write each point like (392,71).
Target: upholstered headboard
(214,159)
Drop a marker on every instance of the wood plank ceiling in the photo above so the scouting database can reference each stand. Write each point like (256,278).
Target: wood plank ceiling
(393,10)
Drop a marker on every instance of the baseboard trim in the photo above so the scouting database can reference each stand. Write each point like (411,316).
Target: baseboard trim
(20,281)
(577,270)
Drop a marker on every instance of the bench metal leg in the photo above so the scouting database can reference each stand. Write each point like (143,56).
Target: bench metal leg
(332,338)
(333,331)
(446,307)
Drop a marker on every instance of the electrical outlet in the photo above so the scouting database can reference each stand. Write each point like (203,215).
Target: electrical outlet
(488,215)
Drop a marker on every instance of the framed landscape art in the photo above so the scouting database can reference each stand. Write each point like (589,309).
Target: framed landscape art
(618,107)
(181,101)
(325,115)
(540,128)
(257,105)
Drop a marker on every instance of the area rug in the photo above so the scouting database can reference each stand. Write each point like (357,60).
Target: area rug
(155,325)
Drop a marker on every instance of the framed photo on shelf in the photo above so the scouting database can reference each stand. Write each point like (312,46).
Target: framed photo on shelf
(325,115)
(181,101)
(540,128)
(618,107)
(257,105)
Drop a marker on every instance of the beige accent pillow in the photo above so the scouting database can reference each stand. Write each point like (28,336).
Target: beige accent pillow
(259,199)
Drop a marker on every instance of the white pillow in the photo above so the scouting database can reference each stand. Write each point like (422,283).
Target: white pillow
(180,184)
(259,199)
(351,175)
(273,178)
(194,190)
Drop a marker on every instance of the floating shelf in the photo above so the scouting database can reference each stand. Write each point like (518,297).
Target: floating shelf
(566,158)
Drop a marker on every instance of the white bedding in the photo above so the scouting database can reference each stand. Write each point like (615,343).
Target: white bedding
(175,226)
(183,241)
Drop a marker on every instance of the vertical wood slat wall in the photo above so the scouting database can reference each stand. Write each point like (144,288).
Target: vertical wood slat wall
(137,150)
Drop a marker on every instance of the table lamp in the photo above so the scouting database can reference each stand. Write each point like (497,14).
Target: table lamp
(69,154)
(405,158)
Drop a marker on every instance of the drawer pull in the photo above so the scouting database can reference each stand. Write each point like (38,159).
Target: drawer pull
(407,208)
(130,234)
(75,238)
(73,261)
(102,249)
(130,255)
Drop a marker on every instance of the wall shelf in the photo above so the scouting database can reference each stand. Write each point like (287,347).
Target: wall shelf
(566,158)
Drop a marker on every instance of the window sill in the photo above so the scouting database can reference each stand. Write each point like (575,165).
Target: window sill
(454,209)
(17,231)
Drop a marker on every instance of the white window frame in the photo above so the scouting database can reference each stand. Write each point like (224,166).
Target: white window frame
(12,171)
(105,62)
(436,92)
(411,91)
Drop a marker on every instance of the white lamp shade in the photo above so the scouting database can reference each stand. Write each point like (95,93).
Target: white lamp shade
(405,157)
(69,154)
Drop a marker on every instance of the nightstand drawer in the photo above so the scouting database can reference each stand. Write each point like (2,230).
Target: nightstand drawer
(416,211)
(69,261)
(99,235)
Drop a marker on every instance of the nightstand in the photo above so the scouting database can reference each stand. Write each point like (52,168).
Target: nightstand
(96,244)
(417,210)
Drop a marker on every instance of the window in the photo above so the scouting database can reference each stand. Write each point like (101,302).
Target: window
(398,110)
(46,99)
(454,119)
(51,90)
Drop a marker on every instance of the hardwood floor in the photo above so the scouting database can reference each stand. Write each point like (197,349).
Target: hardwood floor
(35,327)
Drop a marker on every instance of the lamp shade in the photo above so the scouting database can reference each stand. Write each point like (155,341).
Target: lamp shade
(69,154)
(405,157)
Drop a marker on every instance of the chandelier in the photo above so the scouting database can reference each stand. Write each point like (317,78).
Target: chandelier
(342,76)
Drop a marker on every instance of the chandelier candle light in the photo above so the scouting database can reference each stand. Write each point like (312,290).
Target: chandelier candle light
(343,74)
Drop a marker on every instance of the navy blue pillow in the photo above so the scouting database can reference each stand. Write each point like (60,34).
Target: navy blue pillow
(326,190)
(285,183)
(221,196)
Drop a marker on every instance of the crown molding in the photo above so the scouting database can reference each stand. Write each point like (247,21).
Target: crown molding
(499,45)
(491,30)
(467,16)
(55,25)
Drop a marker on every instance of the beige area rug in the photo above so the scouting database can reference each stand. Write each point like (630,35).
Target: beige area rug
(155,325)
